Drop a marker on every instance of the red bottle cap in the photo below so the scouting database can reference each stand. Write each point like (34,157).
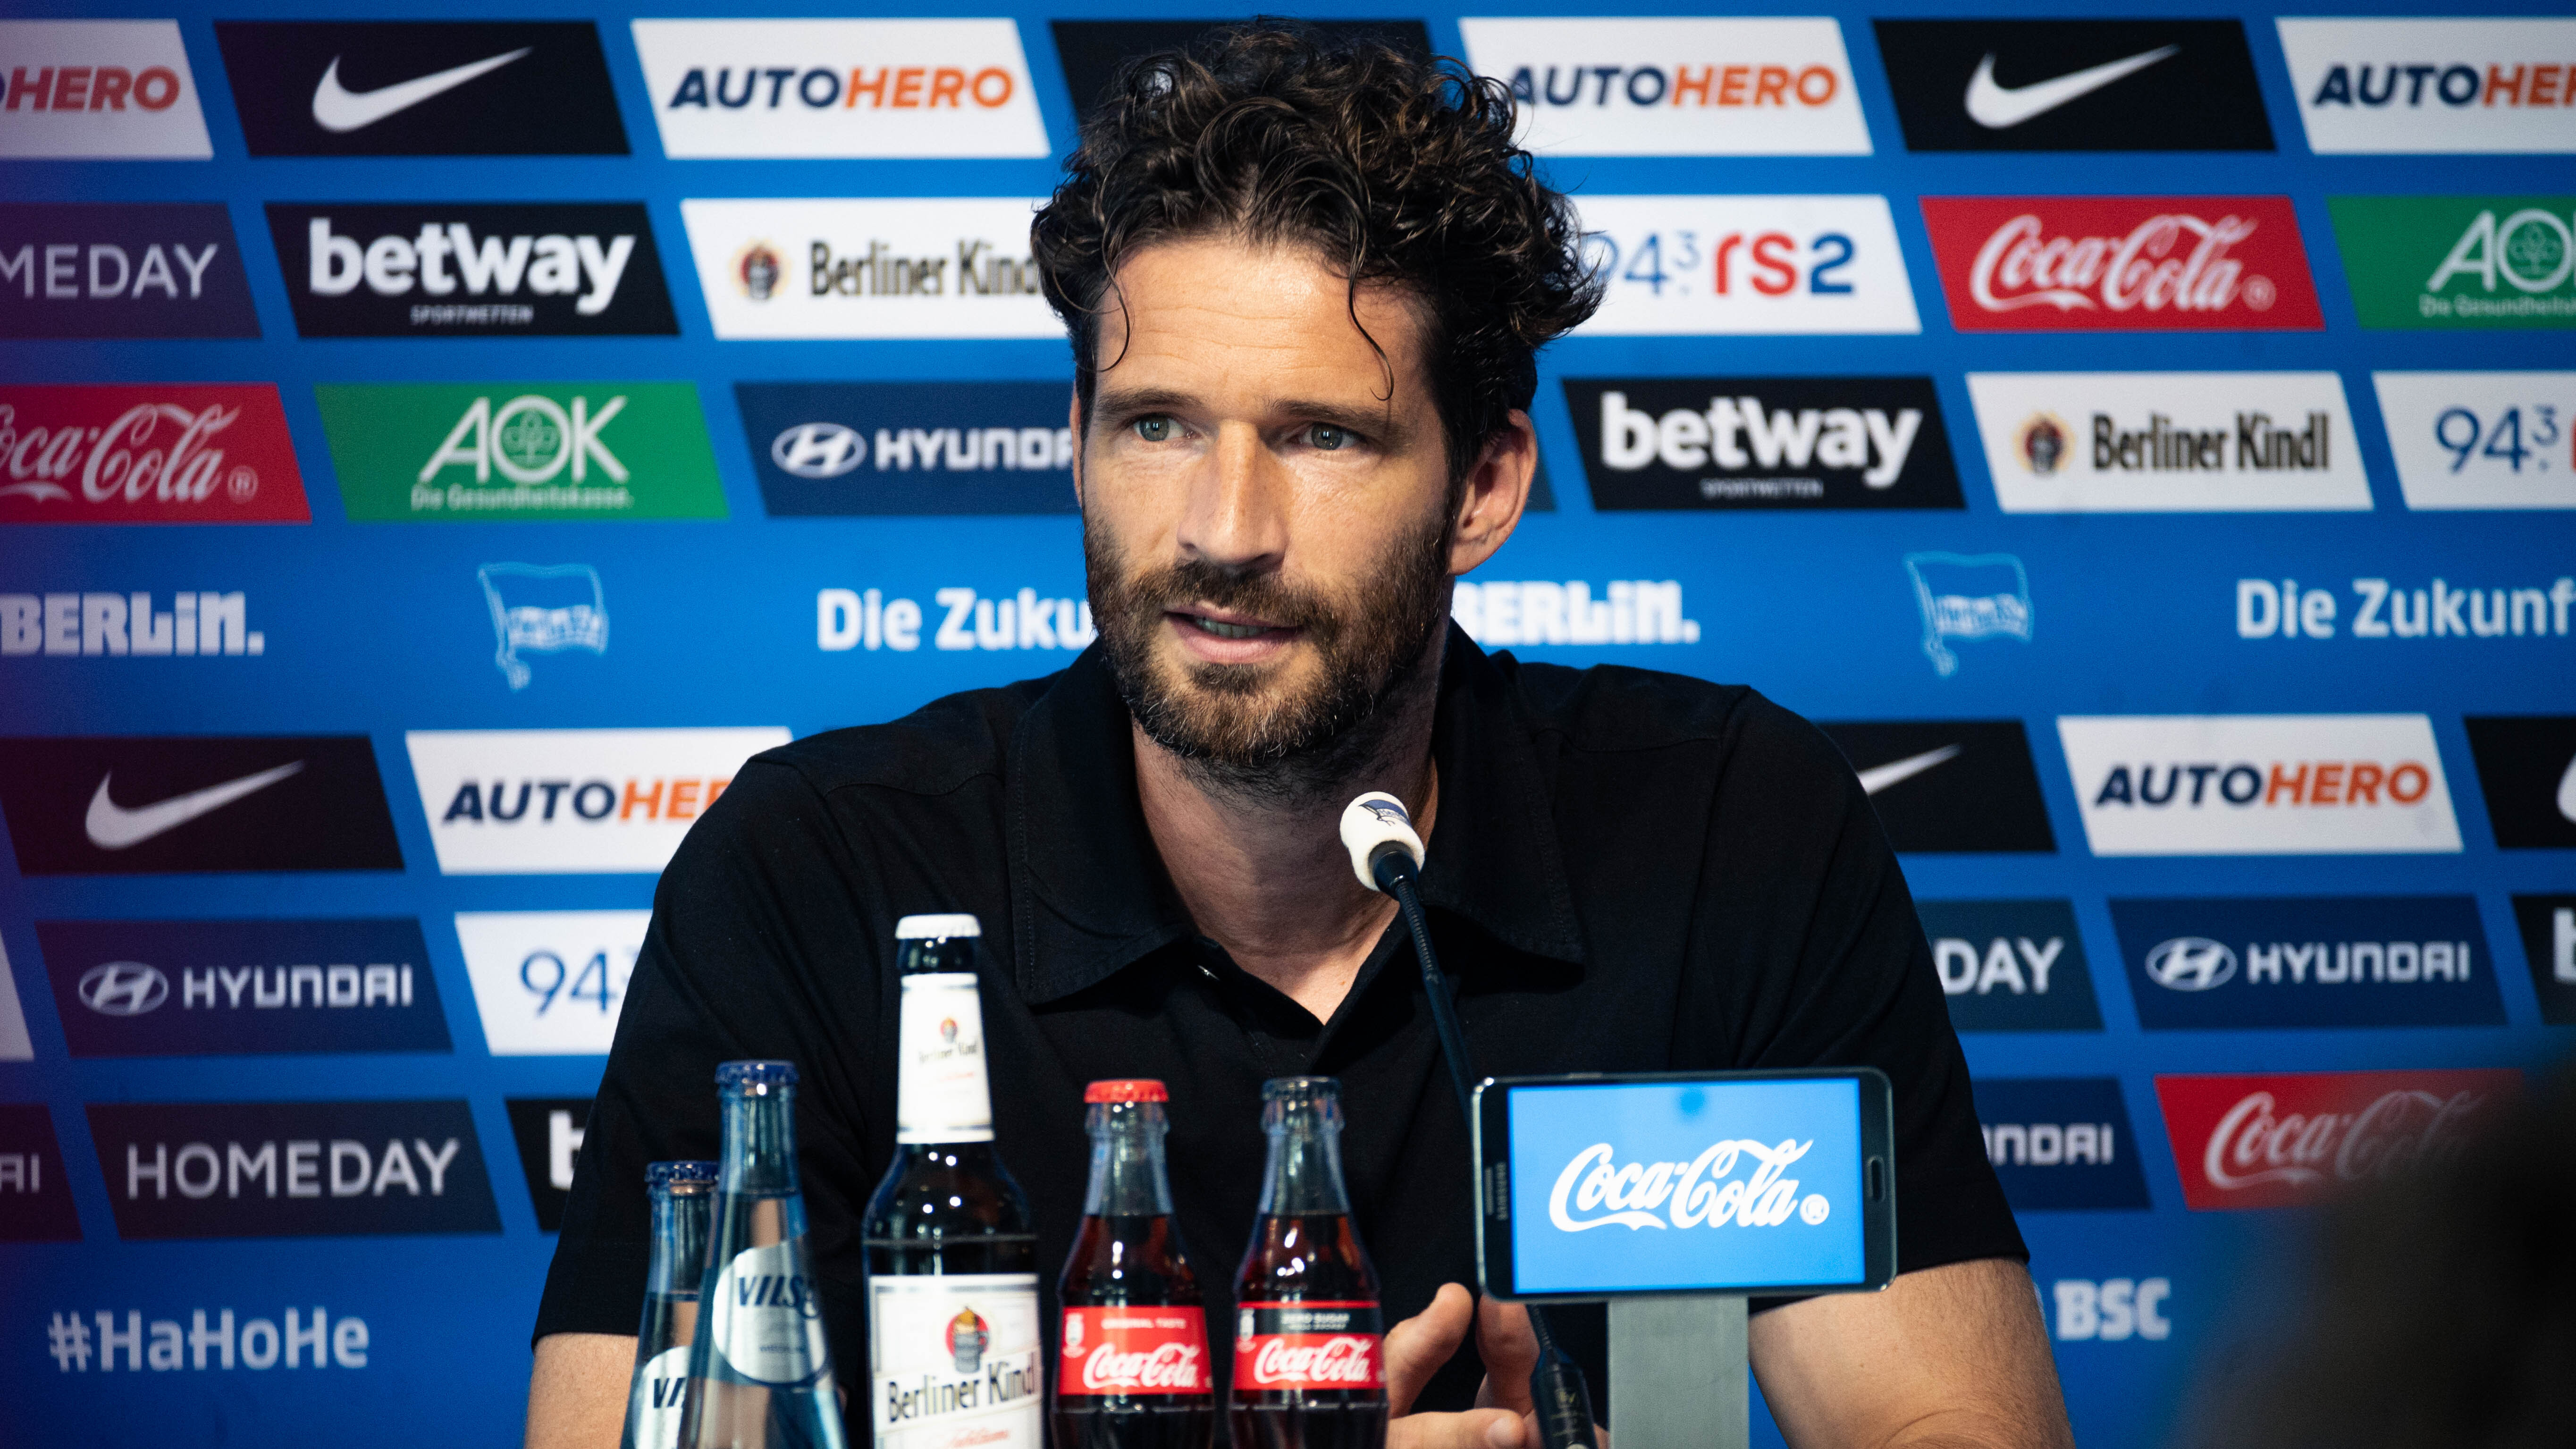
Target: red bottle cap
(1139,1089)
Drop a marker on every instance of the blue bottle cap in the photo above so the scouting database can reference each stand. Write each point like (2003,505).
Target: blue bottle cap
(739,1075)
(662,1174)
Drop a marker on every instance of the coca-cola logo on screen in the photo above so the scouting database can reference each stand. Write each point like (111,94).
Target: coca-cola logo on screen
(153,454)
(2122,263)
(2289,1140)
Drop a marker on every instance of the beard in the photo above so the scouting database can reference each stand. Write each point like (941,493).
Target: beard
(1275,732)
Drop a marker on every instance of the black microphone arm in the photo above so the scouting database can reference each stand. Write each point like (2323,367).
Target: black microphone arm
(1380,835)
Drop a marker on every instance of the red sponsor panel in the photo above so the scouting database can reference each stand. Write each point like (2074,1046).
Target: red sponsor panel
(2294,1139)
(1161,1349)
(159,453)
(2122,263)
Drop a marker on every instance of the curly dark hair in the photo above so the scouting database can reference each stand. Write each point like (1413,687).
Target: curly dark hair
(1394,169)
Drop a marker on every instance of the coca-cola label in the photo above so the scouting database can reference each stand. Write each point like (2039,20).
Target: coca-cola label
(1308,1346)
(1160,1349)
(767,1318)
(193,453)
(2289,1140)
(955,1361)
(2122,263)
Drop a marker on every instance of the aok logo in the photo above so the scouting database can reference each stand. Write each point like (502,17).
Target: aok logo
(2459,261)
(1676,86)
(521,451)
(884,88)
(1747,264)
(2259,784)
(2396,86)
(571,801)
(2111,263)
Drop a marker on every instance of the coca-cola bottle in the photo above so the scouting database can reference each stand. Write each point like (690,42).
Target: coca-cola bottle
(761,1368)
(1135,1372)
(684,1195)
(1309,1368)
(954,1352)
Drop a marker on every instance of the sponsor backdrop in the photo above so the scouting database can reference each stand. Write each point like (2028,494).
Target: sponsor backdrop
(434,453)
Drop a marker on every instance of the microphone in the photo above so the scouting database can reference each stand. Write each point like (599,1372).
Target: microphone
(1386,854)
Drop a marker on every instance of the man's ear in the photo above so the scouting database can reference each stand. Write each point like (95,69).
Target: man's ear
(1497,491)
(1073,414)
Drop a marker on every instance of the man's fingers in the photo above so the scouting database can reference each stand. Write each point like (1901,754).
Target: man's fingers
(1474,1429)
(1510,1351)
(1417,1347)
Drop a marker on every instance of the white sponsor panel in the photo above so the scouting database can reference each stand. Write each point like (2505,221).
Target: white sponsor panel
(2249,784)
(1588,86)
(2481,439)
(2169,442)
(99,89)
(888,88)
(14,1046)
(916,267)
(1703,265)
(550,983)
(571,802)
(2425,86)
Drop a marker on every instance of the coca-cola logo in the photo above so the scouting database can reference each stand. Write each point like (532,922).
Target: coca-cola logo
(1342,1359)
(2178,261)
(146,454)
(2122,263)
(2292,1139)
(1595,1191)
(120,462)
(1168,1366)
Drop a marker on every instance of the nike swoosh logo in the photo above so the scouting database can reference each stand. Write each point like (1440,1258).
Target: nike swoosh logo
(339,110)
(1879,777)
(1998,109)
(2567,793)
(114,827)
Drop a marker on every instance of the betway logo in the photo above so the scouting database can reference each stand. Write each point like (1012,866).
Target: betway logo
(103,624)
(571,801)
(2259,784)
(1736,433)
(583,267)
(1595,1191)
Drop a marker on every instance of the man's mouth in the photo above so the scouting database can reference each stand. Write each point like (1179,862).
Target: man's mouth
(1219,625)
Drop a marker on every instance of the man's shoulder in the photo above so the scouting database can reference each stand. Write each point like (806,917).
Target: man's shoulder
(935,750)
(1608,708)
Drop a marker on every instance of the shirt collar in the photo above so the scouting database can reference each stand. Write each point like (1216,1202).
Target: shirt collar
(1090,890)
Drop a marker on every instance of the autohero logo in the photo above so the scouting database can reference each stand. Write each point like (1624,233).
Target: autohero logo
(2390,86)
(291,1169)
(2011,965)
(1594,86)
(121,269)
(129,805)
(870,619)
(2060,1143)
(1943,786)
(35,1202)
(1762,442)
(2282,784)
(2481,439)
(871,88)
(571,802)
(548,1131)
(98,90)
(460,269)
(210,1341)
(550,983)
(2122,263)
(1504,613)
(824,449)
(421,88)
(2527,767)
(2168,442)
(2382,609)
(895,268)
(2306,962)
(2459,261)
(160,453)
(1701,265)
(242,988)
(520,451)
(2548,925)
(2074,85)
(2297,1139)
(96,625)
(1969,597)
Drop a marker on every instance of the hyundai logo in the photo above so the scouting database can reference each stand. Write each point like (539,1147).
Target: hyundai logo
(2190,963)
(818,450)
(123,988)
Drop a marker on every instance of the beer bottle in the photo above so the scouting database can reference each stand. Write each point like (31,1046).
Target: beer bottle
(683,1194)
(1309,1367)
(1135,1372)
(954,1352)
(760,1369)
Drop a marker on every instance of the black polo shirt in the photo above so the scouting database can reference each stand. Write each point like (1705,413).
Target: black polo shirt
(1629,871)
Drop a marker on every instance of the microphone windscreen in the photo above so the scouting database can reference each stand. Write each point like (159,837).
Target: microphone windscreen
(1372,822)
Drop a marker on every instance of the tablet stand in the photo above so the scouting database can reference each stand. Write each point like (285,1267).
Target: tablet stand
(1678,1372)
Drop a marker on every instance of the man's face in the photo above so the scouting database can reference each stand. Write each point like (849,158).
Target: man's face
(1269,533)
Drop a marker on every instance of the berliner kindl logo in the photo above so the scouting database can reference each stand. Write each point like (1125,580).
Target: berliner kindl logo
(2042,444)
(968,1336)
(757,270)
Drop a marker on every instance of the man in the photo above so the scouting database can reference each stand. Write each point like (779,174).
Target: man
(1305,284)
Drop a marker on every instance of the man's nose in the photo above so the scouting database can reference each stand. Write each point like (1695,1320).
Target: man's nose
(1236,515)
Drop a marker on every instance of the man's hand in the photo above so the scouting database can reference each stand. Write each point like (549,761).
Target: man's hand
(1416,1348)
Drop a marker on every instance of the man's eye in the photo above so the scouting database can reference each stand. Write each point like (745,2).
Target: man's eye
(1154,430)
(1327,437)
